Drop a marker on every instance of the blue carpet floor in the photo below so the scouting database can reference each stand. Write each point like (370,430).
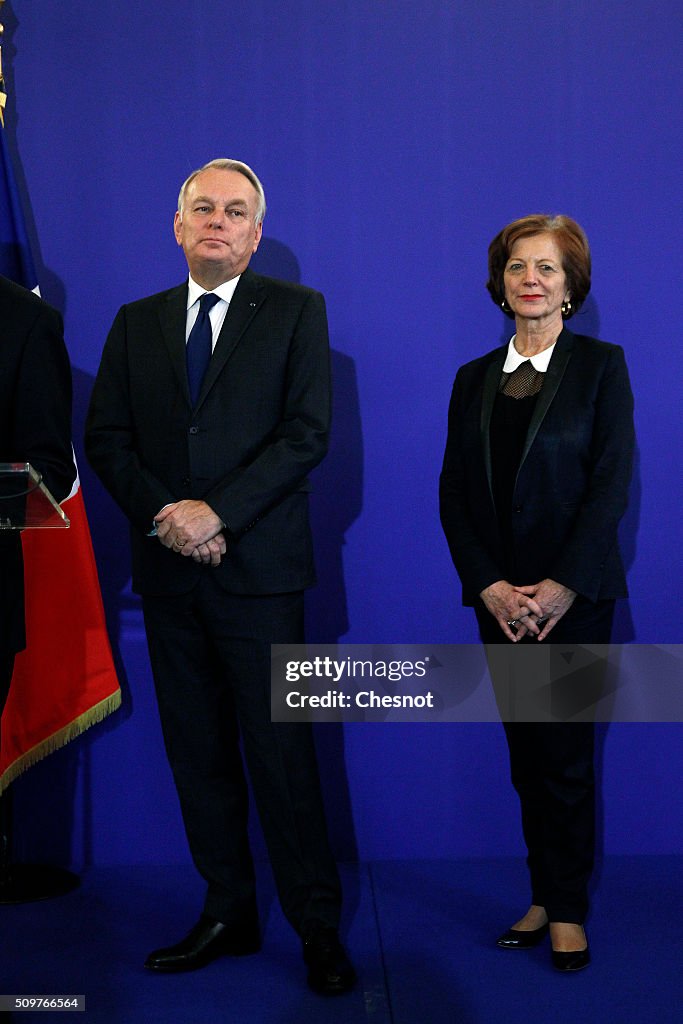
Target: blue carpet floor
(420,934)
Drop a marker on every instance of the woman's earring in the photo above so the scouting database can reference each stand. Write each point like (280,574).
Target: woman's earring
(566,307)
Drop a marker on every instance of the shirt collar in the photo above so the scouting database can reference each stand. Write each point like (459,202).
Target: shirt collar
(539,362)
(224,291)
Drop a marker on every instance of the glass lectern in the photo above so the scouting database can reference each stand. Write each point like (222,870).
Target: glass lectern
(25,502)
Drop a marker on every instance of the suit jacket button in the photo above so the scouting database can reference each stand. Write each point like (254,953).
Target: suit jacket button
(517,508)
(194,430)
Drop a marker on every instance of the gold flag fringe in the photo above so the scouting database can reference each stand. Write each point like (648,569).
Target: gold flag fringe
(60,738)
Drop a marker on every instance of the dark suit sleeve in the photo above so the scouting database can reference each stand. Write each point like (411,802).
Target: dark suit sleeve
(42,419)
(594,535)
(300,440)
(110,436)
(474,563)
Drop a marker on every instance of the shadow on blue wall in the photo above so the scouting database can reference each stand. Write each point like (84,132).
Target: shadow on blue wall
(335,503)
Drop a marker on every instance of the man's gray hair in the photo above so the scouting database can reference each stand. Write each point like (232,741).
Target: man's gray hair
(228,165)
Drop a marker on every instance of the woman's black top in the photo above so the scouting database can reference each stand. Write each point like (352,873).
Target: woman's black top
(512,412)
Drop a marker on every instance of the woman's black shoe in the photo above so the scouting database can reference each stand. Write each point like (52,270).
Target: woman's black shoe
(575,960)
(515,939)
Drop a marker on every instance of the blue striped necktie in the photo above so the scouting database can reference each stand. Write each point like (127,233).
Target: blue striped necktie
(198,350)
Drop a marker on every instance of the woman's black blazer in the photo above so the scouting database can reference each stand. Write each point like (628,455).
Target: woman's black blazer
(573,480)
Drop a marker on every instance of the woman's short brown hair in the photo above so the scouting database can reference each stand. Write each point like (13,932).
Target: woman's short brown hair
(572,242)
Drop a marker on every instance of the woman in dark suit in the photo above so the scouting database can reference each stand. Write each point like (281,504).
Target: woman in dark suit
(535,480)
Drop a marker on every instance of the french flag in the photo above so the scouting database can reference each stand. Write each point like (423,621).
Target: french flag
(65,680)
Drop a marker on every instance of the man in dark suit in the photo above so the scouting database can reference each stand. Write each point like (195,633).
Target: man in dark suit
(35,427)
(208,456)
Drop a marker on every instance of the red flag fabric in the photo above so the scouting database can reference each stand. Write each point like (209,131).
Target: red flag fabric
(65,680)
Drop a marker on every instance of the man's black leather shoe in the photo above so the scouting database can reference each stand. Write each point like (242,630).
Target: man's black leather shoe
(330,971)
(207,940)
(515,939)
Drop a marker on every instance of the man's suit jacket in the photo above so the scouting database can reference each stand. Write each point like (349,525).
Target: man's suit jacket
(35,425)
(573,480)
(260,425)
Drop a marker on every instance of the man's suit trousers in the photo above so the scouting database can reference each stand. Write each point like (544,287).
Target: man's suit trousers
(210,654)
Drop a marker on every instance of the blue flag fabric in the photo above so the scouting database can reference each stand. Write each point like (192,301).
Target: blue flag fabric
(16,259)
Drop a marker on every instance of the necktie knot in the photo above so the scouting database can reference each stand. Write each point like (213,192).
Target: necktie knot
(208,301)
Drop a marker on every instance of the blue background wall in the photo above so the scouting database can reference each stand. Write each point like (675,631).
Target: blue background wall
(394,140)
